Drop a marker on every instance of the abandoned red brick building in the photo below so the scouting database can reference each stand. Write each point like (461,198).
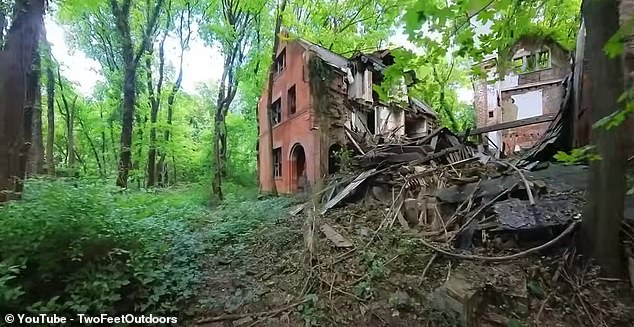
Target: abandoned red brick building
(530,93)
(322,103)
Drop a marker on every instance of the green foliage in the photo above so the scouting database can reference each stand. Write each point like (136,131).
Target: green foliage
(82,247)
(619,116)
(237,219)
(364,290)
(345,27)
(375,265)
(308,311)
(345,159)
(320,78)
(437,83)
(577,155)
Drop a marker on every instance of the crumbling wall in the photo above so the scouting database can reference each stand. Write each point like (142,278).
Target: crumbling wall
(527,136)
(330,114)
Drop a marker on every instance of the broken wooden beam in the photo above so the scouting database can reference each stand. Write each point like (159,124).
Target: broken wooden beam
(348,189)
(517,123)
(337,239)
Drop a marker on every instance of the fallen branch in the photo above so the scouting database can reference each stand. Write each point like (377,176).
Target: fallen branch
(541,308)
(531,199)
(422,276)
(568,230)
(485,206)
(256,314)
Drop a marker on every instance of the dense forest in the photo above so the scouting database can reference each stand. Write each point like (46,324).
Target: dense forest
(125,199)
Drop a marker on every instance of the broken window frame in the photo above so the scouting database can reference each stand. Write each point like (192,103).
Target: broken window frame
(533,62)
(276,111)
(291,100)
(277,162)
(543,59)
(280,63)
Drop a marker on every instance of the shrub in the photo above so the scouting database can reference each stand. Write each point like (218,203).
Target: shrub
(81,247)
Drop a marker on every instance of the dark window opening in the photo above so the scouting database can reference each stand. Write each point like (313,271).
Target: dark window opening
(277,162)
(299,167)
(531,63)
(334,159)
(292,100)
(490,114)
(370,122)
(276,112)
(280,62)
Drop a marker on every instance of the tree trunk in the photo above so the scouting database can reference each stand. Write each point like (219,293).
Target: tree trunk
(16,69)
(50,101)
(91,143)
(170,114)
(184,34)
(36,162)
(69,113)
(70,134)
(606,189)
(269,97)
(219,150)
(127,124)
(103,145)
(121,13)
(155,101)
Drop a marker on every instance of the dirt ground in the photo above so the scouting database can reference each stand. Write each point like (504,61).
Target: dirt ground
(276,280)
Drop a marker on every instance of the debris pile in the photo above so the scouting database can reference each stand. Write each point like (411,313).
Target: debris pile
(452,189)
(427,212)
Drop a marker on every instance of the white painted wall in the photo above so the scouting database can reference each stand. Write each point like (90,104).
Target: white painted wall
(495,138)
(529,104)
(395,119)
(511,80)
(492,96)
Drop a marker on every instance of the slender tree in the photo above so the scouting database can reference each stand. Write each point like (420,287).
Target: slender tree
(50,112)
(237,20)
(155,95)
(121,13)
(269,95)
(184,35)
(68,112)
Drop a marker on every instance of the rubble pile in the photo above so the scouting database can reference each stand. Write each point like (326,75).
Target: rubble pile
(410,236)
(447,186)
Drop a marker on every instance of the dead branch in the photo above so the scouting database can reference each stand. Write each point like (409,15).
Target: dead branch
(482,208)
(568,230)
(531,199)
(431,261)
(257,314)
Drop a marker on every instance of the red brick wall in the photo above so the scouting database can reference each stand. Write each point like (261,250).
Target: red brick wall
(527,136)
(294,129)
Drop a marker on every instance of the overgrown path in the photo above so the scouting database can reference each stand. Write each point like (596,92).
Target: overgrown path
(80,247)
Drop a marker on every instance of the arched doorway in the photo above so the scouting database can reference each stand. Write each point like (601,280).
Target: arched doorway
(334,161)
(299,179)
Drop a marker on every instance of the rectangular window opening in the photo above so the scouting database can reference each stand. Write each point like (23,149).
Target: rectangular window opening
(543,60)
(518,64)
(280,62)
(491,114)
(277,162)
(531,63)
(276,112)
(292,100)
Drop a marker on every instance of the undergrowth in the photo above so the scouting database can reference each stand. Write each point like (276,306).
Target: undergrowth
(80,247)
